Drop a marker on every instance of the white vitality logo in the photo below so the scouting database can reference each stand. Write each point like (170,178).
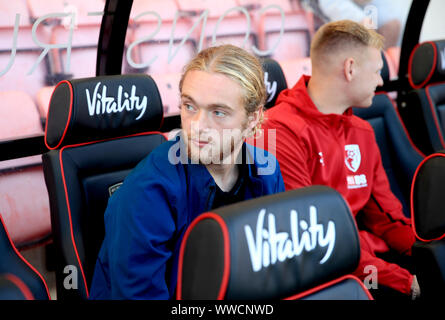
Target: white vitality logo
(271,87)
(267,246)
(100,103)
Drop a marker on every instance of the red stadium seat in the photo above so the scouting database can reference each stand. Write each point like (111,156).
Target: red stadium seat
(295,68)
(168,85)
(14,72)
(85,35)
(225,22)
(297,28)
(18,115)
(42,98)
(23,196)
(155,51)
(393,57)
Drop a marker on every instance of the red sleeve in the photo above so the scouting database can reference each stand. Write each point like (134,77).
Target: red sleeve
(388,274)
(292,155)
(383,214)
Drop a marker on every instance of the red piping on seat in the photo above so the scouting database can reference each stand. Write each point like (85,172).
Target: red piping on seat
(23,259)
(67,198)
(69,115)
(328,284)
(413,224)
(20,285)
(433,112)
(226,272)
(410,80)
(401,122)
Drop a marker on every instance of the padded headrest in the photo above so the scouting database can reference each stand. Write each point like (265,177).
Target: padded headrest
(103,107)
(269,247)
(426,64)
(274,79)
(384,73)
(427,203)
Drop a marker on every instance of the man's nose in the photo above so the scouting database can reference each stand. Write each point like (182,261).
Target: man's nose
(202,120)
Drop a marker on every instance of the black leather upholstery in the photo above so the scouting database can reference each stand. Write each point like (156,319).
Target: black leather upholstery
(399,156)
(272,247)
(92,156)
(425,117)
(425,64)
(429,225)
(101,108)
(423,111)
(274,79)
(13,264)
(12,288)
(427,202)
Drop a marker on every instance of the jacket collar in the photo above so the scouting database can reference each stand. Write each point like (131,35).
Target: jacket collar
(299,98)
(201,182)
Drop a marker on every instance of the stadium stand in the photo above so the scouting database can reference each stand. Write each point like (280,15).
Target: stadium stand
(19,70)
(168,85)
(295,68)
(151,32)
(82,24)
(23,196)
(226,22)
(284,29)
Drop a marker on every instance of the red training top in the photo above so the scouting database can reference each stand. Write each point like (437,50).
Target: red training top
(340,151)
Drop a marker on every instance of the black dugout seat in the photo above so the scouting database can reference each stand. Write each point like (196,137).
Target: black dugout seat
(274,80)
(97,129)
(19,280)
(424,112)
(13,288)
(400,156)
(299,244)
(428,221)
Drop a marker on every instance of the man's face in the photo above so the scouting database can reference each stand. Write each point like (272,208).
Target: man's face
(367,77)
(213,117)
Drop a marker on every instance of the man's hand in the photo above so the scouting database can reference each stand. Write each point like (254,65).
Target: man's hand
(415,289)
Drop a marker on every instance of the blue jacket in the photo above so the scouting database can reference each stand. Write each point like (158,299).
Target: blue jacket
(147,216)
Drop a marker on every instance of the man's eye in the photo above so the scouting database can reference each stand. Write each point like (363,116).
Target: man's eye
(220,114)
(188,107)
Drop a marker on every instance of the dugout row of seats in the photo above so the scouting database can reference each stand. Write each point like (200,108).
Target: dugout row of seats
(83,166)
(77,222)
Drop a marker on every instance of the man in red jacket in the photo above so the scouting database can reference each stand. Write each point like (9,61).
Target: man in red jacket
(320,142)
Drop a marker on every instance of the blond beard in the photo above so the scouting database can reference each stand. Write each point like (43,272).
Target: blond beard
(225,155)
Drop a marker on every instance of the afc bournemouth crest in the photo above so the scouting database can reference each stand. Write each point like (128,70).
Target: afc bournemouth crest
(352,157)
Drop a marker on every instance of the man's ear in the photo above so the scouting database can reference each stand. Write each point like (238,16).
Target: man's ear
(349,68)
(253,120)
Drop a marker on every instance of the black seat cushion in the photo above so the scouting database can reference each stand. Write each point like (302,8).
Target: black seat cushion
(399,155)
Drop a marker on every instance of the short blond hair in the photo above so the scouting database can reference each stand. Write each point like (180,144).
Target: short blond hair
(237,64)
(343,34)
